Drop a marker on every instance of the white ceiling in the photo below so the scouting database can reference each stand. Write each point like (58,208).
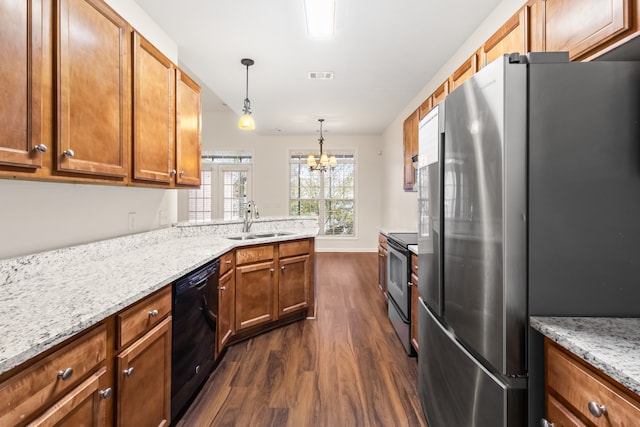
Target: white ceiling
(384,52)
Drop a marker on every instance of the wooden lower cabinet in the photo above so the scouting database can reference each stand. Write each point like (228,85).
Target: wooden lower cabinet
(293,284)
(144,379)
(415,294)
(255,292)
(226,309)
(382,264)
(572,386)
(51,384)
(83,406)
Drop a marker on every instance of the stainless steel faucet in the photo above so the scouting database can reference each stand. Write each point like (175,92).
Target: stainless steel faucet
(250,213)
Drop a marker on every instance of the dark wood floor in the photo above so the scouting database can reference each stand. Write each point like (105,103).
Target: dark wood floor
(345,368)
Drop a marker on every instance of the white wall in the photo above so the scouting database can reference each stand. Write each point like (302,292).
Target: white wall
(37,216)
(399,209)
(271,172)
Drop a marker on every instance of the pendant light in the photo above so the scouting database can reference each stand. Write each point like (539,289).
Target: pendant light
(324,162)
(246,121)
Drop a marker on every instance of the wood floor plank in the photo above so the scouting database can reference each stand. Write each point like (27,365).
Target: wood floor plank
(346,367)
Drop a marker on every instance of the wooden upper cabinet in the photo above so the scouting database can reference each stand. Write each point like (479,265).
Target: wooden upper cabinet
(425,107)
(188,129)
(510,38)
(410,147)
(93,89)
(440,93)
(583,26)
(153,113)
(466,70)
(21,32)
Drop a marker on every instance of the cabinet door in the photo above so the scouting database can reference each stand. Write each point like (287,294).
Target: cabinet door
(410,144)
(188,127)
(581,26)
(293,284)
(153,113)
(382,270)
(93,85)
(144,379)
(510,38)
(255,294)
(83,406)
(21,35)
(440,93)
(466,70)
(226,310)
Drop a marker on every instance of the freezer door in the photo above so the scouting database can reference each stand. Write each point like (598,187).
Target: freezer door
(485,214)
(455,389)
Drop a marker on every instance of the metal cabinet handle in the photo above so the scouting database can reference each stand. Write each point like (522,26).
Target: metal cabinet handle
(153,313)
(66,374)
(228,262)
(597,410)
(282,268)
(222,288)
(545,423)
(181,174)
(106,393)
(272,270)
(68,153)
(41,148)
(172,172)
(128,372)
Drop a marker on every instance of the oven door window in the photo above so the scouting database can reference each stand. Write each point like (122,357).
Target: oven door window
(397,287)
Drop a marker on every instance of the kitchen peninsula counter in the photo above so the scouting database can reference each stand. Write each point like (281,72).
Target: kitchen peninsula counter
(611,345)
(48,297)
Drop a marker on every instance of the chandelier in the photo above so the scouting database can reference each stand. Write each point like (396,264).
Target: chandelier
(324,161)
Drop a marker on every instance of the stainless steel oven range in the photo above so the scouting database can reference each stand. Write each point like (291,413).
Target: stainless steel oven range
(398,285)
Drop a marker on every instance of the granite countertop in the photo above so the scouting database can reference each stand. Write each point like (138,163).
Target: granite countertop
(49,297)
(612,345)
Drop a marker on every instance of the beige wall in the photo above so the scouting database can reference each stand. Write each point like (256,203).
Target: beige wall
(271,172)
(399,210)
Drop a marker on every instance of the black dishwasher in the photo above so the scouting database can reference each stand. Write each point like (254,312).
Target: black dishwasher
(195,311)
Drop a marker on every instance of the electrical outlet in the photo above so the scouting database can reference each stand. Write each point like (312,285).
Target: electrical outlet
(132,221)
(164,218)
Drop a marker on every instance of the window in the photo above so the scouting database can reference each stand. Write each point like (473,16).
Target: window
(330,195)
(226,181)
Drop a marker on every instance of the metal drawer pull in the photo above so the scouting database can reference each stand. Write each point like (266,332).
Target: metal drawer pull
(228,262)
(597,410)
(282,268)
(172,172)
(128,372)
(106,393)
(271,270)
(222,288)
(41,148)
(153,313)
(545,423)
(66,374)
(68,153)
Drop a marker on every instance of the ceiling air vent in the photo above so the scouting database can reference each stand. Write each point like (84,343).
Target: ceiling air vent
(320,75)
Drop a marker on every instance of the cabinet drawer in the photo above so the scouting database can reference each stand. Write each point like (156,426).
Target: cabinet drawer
(35,388)
(142,316)
(254,254)
(559,415)
(298,247)
(578,385)
(226,263)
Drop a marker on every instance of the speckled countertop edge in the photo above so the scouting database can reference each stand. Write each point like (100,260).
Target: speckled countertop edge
(611,345)
(49,297)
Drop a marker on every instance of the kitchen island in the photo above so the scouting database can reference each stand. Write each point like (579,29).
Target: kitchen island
(48,297)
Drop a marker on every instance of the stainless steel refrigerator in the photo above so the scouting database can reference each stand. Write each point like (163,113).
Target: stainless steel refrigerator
(539,191)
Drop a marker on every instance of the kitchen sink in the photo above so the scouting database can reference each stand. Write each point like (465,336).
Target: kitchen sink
(259,235)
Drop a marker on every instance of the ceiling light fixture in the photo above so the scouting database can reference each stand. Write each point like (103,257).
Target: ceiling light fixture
(321,18)
(324,161)
(246,121)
